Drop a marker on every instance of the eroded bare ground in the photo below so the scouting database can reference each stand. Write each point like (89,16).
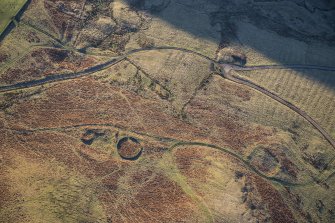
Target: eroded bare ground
(206,149)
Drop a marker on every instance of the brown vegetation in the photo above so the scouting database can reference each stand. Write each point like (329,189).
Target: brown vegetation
(279,211)
(129,148)
(211,149)
(46,61)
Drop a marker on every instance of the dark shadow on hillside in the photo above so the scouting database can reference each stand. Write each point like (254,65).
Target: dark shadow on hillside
(304,21)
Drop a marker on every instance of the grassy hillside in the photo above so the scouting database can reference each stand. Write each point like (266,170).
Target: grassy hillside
(8,9)
(312,91)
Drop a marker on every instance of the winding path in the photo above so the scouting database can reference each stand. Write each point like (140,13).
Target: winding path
(91,70)
(175,143)
(115,60)
(226,73)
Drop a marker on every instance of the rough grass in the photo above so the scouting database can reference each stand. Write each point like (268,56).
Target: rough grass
(170,169)
(51,193)
(315,202)
(8,10)
(208,177)
(171,185)
(313,92)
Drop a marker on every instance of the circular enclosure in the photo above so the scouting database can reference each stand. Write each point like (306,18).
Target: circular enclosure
(129,148)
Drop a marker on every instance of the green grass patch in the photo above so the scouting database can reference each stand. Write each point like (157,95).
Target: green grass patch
(8,10)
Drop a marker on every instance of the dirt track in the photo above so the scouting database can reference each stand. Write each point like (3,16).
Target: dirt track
(91,70)
(227,68)
(228,75)
(115,60)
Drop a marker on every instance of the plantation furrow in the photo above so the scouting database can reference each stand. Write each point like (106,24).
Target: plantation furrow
(311,92)
(282,67)
(227,74)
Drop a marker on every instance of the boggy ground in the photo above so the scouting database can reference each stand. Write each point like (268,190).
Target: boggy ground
(213,150)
